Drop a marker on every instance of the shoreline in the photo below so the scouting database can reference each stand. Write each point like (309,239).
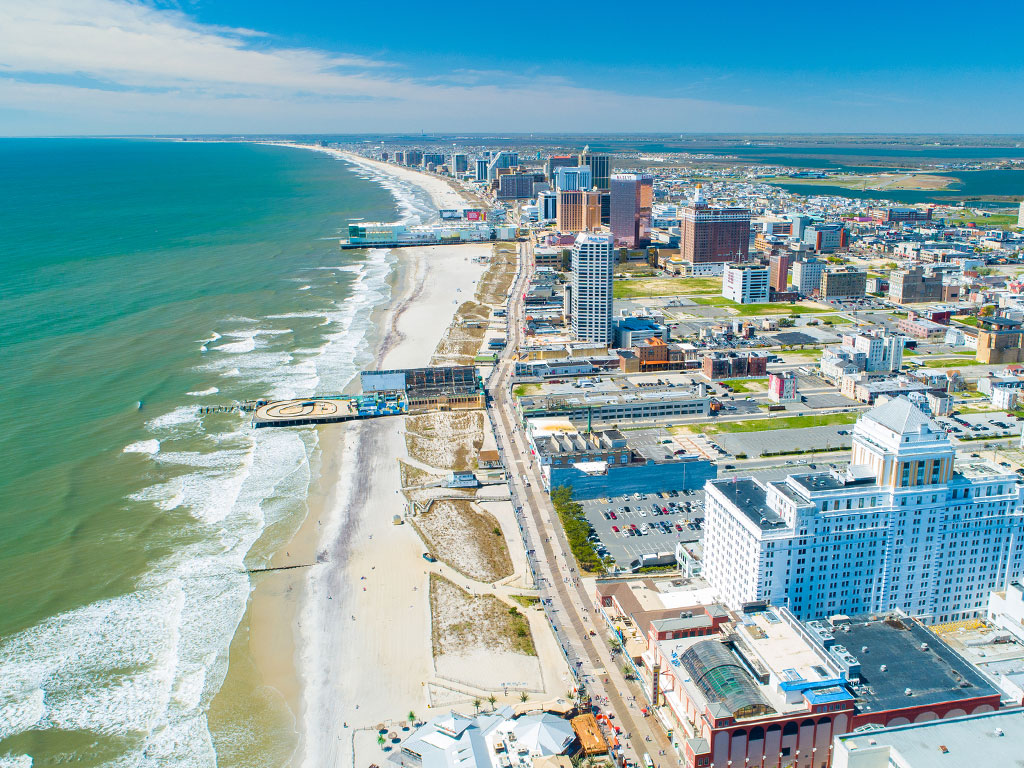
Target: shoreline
(296,636)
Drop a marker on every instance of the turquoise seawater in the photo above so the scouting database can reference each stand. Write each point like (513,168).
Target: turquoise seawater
(142,280)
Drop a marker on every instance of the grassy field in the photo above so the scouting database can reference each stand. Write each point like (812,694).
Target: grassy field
(808,353)
(1002,220)
(970,320)
(645,287)
(748,310)
(525,390)
(747,385)
(836,320)
(761,425)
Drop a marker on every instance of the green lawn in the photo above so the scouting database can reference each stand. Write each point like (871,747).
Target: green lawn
(644,287)
(761,425)
(970,320)
(837,320)
(747,310)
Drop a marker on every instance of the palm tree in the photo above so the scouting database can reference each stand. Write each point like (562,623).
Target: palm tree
(524,696)
(493,700)
(627,671)
(412,716)
(476,705)
(380,740)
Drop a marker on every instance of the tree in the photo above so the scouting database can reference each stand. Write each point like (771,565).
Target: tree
(524,696)
(493,700)
(627,671)
(412,716)
(476,705)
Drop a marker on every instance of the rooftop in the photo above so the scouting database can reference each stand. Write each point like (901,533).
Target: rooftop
(902,417)
(914,659)
(750,498)
(990,739)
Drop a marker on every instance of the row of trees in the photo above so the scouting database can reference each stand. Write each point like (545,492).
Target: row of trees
(577,529)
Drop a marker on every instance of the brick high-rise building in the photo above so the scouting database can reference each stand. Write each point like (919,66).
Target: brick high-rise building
(779,264)
(714,235)
(632,195)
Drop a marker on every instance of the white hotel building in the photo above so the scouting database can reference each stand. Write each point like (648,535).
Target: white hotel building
(905,526)
(593,260)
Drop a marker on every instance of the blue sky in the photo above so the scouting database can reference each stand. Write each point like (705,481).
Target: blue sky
(234,66)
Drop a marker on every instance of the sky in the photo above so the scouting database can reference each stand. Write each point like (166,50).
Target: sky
(82,67)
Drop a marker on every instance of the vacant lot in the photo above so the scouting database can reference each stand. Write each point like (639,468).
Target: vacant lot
(465,623)
(665,286)
(497,279)
(445,439)
(747,310)
(466,538)
(760,425)
(747,385)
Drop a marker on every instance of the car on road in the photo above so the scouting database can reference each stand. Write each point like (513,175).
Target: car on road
(615,529)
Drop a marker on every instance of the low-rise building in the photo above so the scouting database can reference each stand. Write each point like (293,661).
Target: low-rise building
(765,688)
(983,739)
(782,387)
(631,330)
(600,462)
(615,408)
(733,365)
(920,328)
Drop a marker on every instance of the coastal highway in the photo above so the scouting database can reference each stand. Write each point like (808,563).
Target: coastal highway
(572,616)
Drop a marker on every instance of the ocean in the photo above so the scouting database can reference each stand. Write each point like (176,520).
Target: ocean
(143,280)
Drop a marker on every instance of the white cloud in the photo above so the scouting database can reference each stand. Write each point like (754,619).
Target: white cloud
(81,66)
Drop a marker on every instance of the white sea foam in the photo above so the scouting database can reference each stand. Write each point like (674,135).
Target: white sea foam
(204,392)
(183,419)
(143,446)
(305,287)
(15,761)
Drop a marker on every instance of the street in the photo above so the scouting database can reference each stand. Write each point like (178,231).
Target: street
(563,591)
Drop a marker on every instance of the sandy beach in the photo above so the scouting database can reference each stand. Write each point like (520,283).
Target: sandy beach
(347,642)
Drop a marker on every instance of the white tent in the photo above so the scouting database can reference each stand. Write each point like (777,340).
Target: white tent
(544,734)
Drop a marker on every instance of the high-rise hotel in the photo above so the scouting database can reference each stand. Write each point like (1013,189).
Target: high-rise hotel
(905,526)
(593,260)
(711,235)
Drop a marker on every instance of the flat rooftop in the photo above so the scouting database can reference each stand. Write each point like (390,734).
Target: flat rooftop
(750,498)
(933,675)
(961,741)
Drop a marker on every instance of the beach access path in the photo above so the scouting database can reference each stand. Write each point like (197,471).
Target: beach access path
(556,568)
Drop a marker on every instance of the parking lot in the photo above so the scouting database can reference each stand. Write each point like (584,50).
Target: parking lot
(614,518)
(966,425)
